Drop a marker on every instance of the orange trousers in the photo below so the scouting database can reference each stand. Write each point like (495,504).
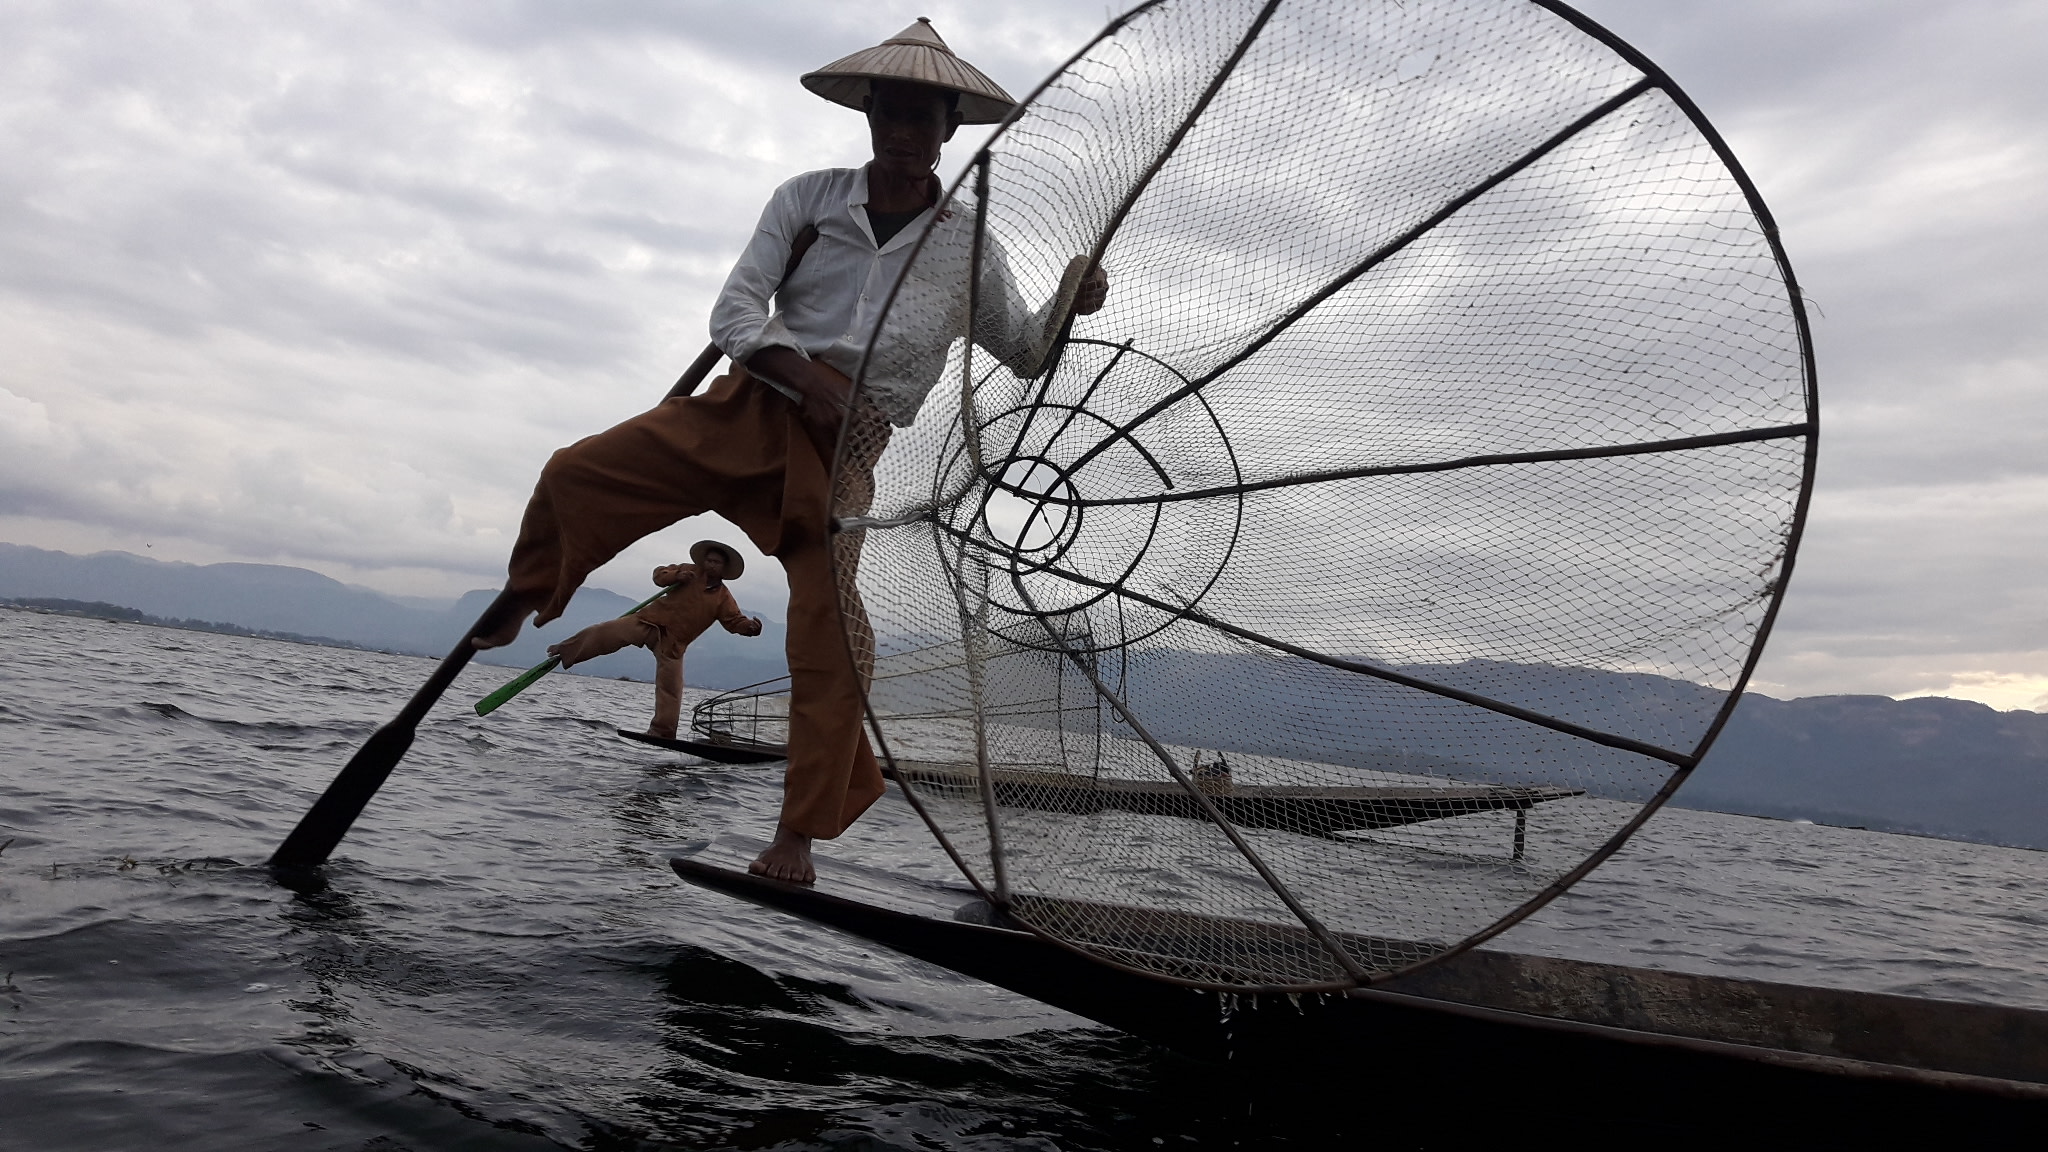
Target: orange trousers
(627,632)
(736,449)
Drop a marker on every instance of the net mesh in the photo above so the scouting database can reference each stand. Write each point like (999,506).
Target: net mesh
(1392,537)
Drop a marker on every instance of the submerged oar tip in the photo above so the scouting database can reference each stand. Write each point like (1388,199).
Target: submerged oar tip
(329,819)
(304,879)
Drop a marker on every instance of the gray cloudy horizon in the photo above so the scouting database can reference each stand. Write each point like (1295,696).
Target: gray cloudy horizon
(324,285)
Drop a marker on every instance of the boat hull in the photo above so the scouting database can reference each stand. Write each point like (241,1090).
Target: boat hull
(1441,1032)
(734,753)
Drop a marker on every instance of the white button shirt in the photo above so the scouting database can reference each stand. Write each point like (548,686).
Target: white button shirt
(829,306)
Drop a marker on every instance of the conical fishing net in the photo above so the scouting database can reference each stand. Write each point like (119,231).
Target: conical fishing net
(1396,537)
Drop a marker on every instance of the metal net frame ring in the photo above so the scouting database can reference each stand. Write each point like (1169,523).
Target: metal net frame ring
(1394,542)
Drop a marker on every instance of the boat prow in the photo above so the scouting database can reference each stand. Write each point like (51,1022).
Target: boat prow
(727,752)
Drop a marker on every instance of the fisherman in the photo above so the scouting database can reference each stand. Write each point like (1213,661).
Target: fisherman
(696,597)
(756,446)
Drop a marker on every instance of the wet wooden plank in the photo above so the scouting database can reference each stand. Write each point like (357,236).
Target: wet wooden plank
(725,751)
(1481,1013)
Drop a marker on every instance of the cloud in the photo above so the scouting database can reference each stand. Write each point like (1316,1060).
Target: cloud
(2004,691)
(324,284)
(1902,150)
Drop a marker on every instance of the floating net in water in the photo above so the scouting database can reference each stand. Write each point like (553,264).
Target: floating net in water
(1394,540)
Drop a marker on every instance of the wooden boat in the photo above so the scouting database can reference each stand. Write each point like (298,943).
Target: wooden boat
(1499,1036)
(726,750)
(741,725)
(1313,811)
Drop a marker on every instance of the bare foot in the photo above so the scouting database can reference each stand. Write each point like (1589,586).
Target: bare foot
(668,735)
(788,859)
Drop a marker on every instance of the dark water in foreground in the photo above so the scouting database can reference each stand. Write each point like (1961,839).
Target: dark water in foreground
(504,959)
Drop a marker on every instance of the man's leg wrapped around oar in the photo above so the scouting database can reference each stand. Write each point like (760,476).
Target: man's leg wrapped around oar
(605,638)
(739,450)
(723,450)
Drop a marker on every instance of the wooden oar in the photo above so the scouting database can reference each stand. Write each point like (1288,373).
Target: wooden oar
(324,824)
(696,372)
(525,680)
(328,820)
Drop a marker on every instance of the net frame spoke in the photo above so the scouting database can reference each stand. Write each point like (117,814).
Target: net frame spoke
(1387,251)
(1604,452)
(1144,181)
(1208,806)
(1196,615)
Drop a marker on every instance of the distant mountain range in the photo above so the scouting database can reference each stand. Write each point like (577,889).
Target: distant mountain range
(274,598)
(1931,766)
(1937,767)
(101,610)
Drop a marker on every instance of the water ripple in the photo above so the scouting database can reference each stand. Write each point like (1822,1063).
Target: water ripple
(503,960)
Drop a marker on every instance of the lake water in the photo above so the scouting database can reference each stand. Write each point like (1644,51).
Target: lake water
(504,959)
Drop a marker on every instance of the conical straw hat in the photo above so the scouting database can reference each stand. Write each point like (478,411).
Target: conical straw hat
(735,564)
(917,55)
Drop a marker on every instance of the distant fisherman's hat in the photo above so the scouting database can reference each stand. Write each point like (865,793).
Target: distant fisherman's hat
(734,565)
(918,56)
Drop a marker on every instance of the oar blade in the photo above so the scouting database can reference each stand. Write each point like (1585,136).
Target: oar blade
(324,824)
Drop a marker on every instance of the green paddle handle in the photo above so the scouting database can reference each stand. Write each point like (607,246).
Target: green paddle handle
(524,680)
(516,685)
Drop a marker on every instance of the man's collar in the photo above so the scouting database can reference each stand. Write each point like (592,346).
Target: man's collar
(858,198)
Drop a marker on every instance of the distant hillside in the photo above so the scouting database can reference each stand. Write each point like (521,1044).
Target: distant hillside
(1938,767)
(100,610)
(272,598)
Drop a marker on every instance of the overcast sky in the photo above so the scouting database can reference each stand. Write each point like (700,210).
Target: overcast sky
(323,284)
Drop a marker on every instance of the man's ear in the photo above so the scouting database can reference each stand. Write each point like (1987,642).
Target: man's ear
(867,104)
